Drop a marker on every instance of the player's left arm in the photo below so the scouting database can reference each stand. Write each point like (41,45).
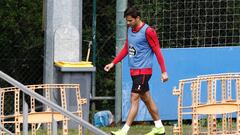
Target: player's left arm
(153,41)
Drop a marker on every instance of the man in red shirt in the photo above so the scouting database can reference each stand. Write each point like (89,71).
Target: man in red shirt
(140,45)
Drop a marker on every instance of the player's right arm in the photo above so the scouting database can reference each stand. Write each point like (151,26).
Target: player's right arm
(119,57)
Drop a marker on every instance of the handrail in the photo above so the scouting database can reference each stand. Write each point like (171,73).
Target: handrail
(51,104)
(3,128)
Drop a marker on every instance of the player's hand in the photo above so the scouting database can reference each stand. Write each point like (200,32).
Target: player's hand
(164,77)
(108,67)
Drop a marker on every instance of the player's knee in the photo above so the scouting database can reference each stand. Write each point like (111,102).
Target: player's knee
(134,97)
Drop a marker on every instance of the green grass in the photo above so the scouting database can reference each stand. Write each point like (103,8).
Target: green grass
(140,129)
(136,129)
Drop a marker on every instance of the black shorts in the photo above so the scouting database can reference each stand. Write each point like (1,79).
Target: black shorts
(140,83)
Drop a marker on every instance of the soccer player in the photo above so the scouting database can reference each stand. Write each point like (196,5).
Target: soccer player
(140,46)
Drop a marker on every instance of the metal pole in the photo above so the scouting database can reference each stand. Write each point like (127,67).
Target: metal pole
(94,26)
(54,126)
(120,40)
(25,115)
(94,52)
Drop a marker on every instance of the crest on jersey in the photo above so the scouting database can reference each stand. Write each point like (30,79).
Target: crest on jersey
(131,51)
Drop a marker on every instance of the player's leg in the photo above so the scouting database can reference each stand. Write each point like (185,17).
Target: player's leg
(131,115)
(134,107)
(152,108)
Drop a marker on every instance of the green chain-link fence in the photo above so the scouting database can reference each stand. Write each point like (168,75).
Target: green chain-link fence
(105,47)
(193,23)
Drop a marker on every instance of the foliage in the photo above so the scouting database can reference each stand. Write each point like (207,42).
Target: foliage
(21,40)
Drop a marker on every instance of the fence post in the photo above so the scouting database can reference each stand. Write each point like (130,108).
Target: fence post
(25,115)
(120,40)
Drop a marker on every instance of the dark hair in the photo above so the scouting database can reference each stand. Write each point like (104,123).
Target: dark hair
(131,11)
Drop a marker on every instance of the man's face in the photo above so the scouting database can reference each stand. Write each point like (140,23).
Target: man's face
(132,22)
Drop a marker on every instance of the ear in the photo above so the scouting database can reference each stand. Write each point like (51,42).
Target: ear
(138,18)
